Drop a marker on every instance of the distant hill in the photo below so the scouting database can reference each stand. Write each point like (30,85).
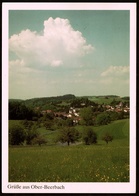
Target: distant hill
(126,98)
(13,100)
(41,101)
(56,98)
(51,102)
(107,96)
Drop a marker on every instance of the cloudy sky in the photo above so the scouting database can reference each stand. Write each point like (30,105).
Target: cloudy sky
(55,52)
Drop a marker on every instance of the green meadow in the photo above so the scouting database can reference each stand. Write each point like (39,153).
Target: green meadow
(75,163)
(105,99)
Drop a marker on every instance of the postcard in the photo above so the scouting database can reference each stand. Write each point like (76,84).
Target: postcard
(69,98)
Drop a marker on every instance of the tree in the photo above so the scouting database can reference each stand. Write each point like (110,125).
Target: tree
(87,115)
(103,119)
(114,115)
(31,134)
(89,136)
(107,138)
(27,124)
(68,122)
(57,123)
(19,111)
(121,115)
(48,116)
(48,124)
(17,134)
(69,135)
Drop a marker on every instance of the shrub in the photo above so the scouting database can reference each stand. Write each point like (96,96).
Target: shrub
(39,140)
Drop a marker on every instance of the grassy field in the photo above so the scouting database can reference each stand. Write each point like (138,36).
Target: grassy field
(76,163)
(103,100)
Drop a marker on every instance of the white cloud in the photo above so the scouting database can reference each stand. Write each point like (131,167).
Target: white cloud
(116,71)
(58,44)
(115,80)
(18,67)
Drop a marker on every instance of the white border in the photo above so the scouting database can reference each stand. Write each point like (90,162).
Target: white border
(69,6)
(70,187)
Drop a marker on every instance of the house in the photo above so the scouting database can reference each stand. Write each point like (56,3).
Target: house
(120,104)
(118,110)
(73,112)
(126,109)
(60,114)
(46,112)
(76,114)
(69,115)
(76,120)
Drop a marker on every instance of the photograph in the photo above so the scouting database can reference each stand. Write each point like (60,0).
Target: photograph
(69,97)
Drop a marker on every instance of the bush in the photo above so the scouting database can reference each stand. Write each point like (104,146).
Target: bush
(89,136)
(39,140)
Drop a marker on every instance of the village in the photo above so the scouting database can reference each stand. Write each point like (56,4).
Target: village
(74,113)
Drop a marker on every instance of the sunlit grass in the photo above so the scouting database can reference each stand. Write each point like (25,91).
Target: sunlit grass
(76,163)
(95,163)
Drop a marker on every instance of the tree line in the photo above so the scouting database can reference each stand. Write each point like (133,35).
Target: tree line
(19,111)
(26,133)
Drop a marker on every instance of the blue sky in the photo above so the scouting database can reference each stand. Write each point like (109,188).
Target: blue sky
(57,52)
